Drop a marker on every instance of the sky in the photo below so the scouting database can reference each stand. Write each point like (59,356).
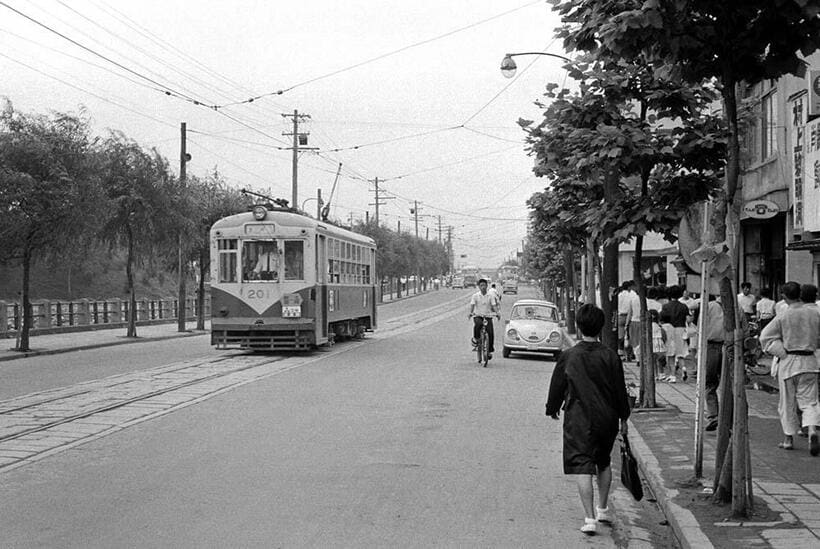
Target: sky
(409,92)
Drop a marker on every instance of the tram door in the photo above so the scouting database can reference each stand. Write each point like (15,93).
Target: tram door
(321,285)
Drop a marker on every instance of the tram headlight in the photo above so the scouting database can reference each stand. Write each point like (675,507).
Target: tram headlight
(223,311)
(260,212)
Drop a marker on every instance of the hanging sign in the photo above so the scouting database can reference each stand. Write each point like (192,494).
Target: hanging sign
(760,209)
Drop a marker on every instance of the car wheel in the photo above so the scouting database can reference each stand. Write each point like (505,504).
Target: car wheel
(505,352)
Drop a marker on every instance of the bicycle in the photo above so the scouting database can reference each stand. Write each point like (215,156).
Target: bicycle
(753,355)
(483,342)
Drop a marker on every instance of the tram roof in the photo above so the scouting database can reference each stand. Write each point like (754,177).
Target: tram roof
(292,219)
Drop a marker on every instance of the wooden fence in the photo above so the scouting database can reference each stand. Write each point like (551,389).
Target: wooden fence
(51,316)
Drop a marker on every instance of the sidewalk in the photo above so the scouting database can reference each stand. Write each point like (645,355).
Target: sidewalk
(786,483)
(49,344)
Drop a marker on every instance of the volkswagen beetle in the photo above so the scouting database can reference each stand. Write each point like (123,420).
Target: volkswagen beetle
(534,327)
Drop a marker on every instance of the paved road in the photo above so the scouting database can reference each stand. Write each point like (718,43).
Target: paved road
(400,440)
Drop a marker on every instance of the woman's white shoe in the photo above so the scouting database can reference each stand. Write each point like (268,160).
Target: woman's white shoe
(603,515)
(590,526)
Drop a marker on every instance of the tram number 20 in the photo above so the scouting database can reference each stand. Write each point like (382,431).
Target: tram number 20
(258,294)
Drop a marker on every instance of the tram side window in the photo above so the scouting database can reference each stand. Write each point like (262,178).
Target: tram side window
(260,260)
(294,260)
(227,259)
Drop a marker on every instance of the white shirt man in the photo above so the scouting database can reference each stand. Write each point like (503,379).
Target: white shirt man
(483,304)
(745,300)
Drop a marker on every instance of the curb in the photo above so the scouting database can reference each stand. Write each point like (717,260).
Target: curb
(684,525)
(27,354)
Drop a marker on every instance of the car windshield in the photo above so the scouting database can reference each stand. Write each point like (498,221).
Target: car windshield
(537,312)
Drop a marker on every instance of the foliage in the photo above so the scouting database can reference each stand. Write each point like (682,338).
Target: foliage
(46,182)
(401,254)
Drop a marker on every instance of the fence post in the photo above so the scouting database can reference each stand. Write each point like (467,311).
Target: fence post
(4,317)
(42,317)
(115,310)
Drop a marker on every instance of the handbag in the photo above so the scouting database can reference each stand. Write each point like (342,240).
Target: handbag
(630,477)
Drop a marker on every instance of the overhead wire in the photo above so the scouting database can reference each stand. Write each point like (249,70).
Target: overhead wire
(385,55)
(78,88)
(163,88)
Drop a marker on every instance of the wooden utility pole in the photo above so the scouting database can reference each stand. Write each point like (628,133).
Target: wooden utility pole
(415,212)
(439,229)
(183,160)
(299,142)
(379,198)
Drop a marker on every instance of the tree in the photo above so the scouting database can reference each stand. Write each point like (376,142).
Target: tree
(731,42)
(47,190)
(138,186)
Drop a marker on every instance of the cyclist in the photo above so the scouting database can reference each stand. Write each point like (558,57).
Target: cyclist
(483,305)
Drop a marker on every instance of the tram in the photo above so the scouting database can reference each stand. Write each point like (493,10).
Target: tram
(281,280)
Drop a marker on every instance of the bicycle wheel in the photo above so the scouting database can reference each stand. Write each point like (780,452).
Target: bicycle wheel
(485,344)
(479,348)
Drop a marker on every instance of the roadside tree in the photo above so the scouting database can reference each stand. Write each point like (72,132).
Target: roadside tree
(48,191)
(137,184)
(730,42)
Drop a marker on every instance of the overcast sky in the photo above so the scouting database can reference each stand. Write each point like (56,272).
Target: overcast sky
(406,91)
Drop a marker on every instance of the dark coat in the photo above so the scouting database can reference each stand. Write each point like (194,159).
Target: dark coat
(588,382)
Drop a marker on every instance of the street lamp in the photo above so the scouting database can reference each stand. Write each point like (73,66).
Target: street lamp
(508,66)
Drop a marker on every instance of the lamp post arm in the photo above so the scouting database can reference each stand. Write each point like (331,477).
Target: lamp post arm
(567,59)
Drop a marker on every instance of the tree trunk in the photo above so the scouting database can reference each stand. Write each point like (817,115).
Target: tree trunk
(129,275)
(569,268)
(592,251)
(25,325)
(609,271)
(645,357)
(724,432)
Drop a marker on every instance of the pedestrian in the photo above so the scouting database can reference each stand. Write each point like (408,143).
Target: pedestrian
(746,301)
(658,345)
(715,336)
(764,307)
(792,337)
(588,382)
(624,297)
(781,306)
(673,318)
(633,323)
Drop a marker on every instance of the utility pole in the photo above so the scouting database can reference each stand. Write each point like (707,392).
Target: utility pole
(450,246)
(299,140)
(398,227)
(183,160)
(439,229)
(379,198)
(415,212)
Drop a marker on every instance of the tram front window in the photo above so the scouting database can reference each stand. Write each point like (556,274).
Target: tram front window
(260,260)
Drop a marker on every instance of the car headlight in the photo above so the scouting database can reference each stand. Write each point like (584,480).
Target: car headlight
(512,333)
(555,337)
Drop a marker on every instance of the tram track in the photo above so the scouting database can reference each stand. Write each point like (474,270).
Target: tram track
(120,404)
(37,425)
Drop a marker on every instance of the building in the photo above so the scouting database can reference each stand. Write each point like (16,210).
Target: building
(780,217)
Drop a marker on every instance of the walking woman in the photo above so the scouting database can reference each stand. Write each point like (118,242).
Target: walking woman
(588,382)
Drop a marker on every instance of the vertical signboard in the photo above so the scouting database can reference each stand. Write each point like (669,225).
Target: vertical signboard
(796,129)
(811,176)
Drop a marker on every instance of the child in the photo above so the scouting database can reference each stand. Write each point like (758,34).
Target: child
(658,345)
(588,380)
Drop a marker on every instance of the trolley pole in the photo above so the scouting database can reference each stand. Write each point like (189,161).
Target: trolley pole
(183,159)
